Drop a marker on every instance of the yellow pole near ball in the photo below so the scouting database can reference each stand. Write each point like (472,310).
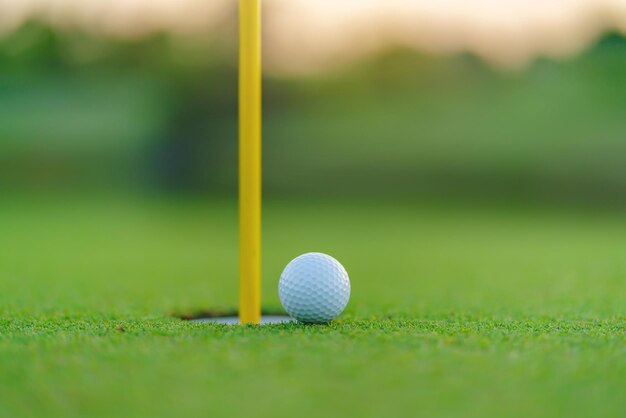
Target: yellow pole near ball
(250,161)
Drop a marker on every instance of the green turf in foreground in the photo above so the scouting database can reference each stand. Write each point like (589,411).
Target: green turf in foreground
(454,312)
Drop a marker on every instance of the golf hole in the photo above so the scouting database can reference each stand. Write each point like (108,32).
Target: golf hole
(230,317)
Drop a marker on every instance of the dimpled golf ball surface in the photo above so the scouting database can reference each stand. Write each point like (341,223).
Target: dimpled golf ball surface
(314,288)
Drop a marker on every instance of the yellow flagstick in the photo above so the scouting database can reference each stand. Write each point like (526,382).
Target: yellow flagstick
(249,161)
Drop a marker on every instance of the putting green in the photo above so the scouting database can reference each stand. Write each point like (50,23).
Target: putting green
(455,311)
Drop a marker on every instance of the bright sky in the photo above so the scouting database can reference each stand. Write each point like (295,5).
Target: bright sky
(308,35)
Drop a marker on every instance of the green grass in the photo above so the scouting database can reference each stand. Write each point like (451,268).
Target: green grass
(455,311)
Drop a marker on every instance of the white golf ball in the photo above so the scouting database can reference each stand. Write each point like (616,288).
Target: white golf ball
(314,288)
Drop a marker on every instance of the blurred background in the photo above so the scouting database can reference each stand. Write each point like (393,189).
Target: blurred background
(413,130)
(416,99)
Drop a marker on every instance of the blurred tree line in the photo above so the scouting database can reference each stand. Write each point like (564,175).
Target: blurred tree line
(84,111)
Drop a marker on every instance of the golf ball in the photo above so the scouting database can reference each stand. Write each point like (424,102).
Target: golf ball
(314,288)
